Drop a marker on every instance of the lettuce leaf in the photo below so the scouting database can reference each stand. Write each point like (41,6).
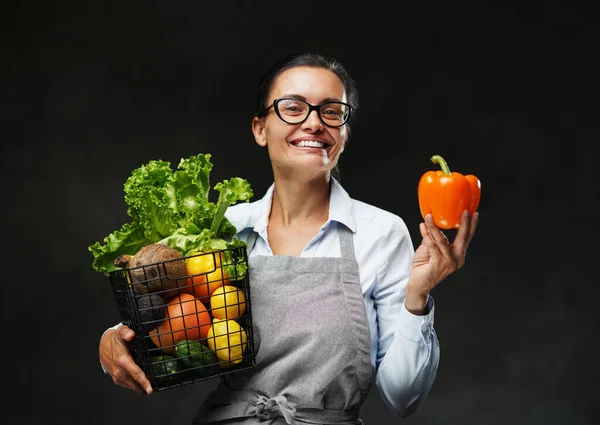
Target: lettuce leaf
(173,207)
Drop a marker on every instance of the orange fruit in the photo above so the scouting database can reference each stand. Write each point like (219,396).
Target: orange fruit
(227,302)
(206,274)
(187,318)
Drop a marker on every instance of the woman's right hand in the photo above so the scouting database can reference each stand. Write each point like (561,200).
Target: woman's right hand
(118,363)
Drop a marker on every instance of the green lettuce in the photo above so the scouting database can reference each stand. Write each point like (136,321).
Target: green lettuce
(173,207)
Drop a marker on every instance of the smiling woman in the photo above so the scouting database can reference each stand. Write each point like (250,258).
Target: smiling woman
(313,100)
(340,298)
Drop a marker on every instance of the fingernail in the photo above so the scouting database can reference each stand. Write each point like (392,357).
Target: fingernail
(148,390)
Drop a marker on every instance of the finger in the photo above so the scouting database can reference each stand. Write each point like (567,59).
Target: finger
(135,386)
(142,381)
(461,241)
(474,223)
(440,240)
(427,241)
(125,333)
(132,376)
(138,376)
(129,383)
(423,230)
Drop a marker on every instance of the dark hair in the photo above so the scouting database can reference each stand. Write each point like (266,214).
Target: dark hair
(265,83)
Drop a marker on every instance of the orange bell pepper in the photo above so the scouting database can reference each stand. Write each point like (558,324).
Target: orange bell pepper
(447,194)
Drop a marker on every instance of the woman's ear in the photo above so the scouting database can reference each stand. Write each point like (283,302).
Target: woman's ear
(258,130)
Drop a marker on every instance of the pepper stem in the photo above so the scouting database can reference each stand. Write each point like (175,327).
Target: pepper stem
(436,159)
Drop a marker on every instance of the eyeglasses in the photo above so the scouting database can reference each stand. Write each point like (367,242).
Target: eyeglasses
(296,111)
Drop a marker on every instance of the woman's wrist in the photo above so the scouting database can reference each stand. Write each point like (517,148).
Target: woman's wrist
(416,302)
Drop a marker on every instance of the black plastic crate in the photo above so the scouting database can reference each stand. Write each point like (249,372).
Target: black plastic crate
(181,337)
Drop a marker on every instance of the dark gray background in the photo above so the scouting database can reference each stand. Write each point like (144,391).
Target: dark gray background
(506,92)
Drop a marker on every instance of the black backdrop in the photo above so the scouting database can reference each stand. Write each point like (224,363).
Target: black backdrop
(506,92)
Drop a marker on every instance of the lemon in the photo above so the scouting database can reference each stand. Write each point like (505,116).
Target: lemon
(228,340)
(228,302)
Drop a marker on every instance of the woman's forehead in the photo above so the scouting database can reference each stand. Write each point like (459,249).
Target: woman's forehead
(312,83)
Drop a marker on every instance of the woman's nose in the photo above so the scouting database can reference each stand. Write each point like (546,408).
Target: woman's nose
(313,121)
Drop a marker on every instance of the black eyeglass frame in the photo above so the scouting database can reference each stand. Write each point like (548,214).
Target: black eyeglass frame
(275,105)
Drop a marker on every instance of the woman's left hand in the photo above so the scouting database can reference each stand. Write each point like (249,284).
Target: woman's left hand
(436,258)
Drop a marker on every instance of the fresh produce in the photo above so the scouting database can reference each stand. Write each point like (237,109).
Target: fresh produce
(447,194)
(152,309)
(227,302)
(228,340)
(165,369)
(196,356)
(155,268)
(173,208)
(206,273)
(187,318)
(172,222)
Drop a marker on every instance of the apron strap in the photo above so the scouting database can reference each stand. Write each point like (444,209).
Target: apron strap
(248,404)
(346,241)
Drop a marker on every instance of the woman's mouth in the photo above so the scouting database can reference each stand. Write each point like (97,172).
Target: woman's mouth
(309,144)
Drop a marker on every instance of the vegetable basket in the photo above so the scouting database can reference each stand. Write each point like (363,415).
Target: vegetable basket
(189,326)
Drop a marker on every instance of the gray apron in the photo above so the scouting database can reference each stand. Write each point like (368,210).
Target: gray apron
(312,340)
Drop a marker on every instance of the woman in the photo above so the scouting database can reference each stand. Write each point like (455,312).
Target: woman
(339,296)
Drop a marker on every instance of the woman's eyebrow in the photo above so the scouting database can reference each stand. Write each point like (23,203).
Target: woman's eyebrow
(300,97)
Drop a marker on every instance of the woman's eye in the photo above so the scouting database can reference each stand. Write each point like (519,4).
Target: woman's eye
(332,112)
(291,107)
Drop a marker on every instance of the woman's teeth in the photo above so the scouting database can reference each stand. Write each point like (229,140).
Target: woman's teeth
(310,143)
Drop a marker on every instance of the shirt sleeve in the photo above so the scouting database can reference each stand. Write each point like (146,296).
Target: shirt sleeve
(408,349)
(117,326)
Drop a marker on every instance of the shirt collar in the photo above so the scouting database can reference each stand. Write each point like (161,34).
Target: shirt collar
(341,208)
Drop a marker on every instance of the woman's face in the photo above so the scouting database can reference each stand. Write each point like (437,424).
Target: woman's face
(287,143)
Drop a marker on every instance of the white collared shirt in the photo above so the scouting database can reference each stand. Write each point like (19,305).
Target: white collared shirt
(404,347)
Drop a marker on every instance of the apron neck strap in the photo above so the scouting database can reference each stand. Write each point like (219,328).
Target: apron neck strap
(346,241)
